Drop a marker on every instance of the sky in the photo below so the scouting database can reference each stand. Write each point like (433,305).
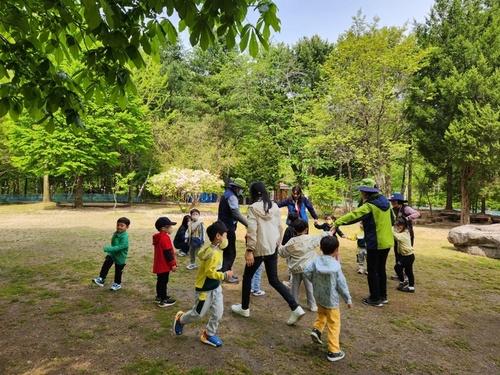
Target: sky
(330,18)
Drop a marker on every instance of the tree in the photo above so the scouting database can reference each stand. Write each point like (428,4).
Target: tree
(460,80)
(73,152)
(327,193)
(108,37)
(184,184)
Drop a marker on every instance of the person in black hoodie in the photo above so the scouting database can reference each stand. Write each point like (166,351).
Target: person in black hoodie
(180,241)
(328,224)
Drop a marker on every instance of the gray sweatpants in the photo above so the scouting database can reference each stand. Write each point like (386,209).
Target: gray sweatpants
(211,302)
(297,279)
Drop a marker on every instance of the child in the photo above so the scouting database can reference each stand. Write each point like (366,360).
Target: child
(208,288)
(117,254)
(289,233)
(359,237)
(404,263)
(299,251)
(328,282)
(180,241)
(328,224)
(164,260)
(195,236)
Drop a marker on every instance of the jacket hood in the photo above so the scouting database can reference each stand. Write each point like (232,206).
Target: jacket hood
(327,264)
(381,202)
(206,252)
(157,237)
(258,208)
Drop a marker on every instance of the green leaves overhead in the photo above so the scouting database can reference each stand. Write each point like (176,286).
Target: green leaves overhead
(39,38)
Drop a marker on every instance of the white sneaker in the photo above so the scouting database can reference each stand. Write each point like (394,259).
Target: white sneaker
(192,266)
(115,287)
(98,281)
(258,293)
(295,316)
(237,309)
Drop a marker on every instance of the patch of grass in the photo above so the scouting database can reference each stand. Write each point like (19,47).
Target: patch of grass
(47,294)
(144,367)
(239,366)
(247,342)
(457,343)
(87,307)
(83,335)
(57,308)
(13,290)
(407,322)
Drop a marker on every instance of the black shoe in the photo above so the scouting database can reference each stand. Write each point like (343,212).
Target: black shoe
(369,302)
(316,336)
(332,357)
(384,301)
(167,302)
(157,299)
(406,288)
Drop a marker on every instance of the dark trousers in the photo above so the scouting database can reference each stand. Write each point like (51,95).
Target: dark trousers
(404,266)
(161,285)
(229,253)
(108,262)
(377,278)
(271,264)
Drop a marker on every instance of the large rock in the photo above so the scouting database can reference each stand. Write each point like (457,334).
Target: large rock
(477,239)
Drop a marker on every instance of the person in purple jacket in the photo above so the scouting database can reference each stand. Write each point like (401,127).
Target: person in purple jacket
(401,209)
(299,205)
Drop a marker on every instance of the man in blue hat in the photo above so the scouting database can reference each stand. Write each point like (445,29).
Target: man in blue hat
(374,211)
(229,214)
(402,210)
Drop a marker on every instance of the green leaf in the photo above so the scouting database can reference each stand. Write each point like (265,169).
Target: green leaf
(15,109)
(254,46)
(146,46)
(135,56)
(91,14)
(245,35)
(4,106)
(169,30)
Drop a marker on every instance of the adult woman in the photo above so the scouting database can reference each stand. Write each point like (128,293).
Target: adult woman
(375,213)
(299,205)
(263,237)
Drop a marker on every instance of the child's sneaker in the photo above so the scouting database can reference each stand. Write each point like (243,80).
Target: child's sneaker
(370,302)
(360,271)
(394,277)
(258,293)
(237,309)
(332,357)
(384,300)
(313,308)
(406,288)
(192,266)
(287,283)
(98,281)
(210,340)
(181,253)
(316,336)
(115,287)
(157,299)
(295,316)
(167,302)
(178,326)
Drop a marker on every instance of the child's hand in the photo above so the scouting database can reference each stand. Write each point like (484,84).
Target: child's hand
(174,268)
(249,258)
(344,236)
(333,230)
(349,305)
(229,274)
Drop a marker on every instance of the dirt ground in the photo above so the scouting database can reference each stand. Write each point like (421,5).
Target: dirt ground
(54,321)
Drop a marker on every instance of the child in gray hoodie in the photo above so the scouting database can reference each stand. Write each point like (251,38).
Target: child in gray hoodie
(328,282)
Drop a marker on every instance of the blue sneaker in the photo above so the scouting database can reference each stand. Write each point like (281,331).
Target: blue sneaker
(178,327)
(210,340)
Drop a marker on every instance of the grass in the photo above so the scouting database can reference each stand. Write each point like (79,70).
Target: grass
(45,282)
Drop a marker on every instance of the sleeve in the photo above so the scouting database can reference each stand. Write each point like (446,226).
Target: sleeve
(235,210)
(168,252)
(251,229)
(122,245)
(202,229)
(283,250)
(398,236)
(411,213)
(342,287)
(339,232)
(308,270)
(318,226)
(353,216)
(310,208)
(282,203)
(211,270)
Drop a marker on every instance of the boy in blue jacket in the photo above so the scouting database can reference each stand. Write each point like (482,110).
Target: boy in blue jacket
(328,282)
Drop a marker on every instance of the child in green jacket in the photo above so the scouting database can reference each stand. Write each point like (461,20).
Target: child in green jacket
(116,253)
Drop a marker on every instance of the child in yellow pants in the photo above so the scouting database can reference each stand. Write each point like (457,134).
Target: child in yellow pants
(329,283)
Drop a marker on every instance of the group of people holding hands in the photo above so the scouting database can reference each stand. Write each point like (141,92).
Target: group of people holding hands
(380,229)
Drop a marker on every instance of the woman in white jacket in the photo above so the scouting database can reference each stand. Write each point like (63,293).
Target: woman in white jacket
(263,237)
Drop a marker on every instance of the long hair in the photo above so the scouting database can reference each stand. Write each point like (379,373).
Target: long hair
(298,190)
(258,192)
(185,221)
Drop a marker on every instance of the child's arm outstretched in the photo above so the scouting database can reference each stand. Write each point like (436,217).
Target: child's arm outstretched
(343,289)
(122,245)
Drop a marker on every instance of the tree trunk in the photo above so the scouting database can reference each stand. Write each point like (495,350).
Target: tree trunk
(349,188)
(464,196)
(483,205)
(46,188)
(410,178)
(449,187)
(25,186)
(78,202)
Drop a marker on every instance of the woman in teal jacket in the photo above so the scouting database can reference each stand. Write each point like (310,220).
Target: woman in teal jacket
(375,214)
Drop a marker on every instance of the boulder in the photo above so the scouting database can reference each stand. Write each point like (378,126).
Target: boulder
(477,239)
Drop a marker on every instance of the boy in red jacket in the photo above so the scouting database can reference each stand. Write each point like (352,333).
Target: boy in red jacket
(164,259)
